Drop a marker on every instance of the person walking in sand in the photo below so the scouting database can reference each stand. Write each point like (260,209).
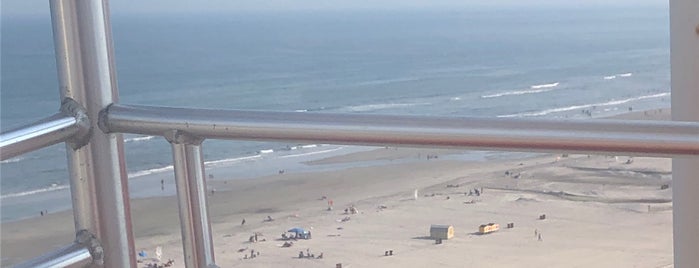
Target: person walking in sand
(243,222)
(540,237)
(162,184)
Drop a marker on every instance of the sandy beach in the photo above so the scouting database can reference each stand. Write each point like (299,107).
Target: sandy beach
(601,211)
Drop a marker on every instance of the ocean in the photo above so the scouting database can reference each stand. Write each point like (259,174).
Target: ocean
(491,62)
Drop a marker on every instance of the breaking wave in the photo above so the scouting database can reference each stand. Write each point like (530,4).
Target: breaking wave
(150,171)
(381,106)
(231,160)
(532,89)
(544,85)
(51,188)
(142,138)
(12,160)
(582,106)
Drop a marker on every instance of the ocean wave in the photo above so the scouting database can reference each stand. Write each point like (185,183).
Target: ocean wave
(583,106)
(517,92)
(142,138)
(382,106)
(625,74)
(532,89)
(51,188)
(309,146)
(268,151)
(610,77)
(312,153)
(12,160)
(231,160)
(544,85)
(387,81)
(150,171)
(455,98)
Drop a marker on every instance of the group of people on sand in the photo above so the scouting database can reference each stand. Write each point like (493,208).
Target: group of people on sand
(169,263)
(253,254)
(351,210)
(254,238)
(475,192)
(308,255)
(268,219)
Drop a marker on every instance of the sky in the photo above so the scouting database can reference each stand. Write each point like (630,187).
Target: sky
(118,7)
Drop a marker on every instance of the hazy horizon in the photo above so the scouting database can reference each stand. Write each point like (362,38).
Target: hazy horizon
(19,8)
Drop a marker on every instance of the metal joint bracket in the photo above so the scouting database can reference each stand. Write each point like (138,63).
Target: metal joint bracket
(72,108)
(181,137)
(91,242)
(102,119)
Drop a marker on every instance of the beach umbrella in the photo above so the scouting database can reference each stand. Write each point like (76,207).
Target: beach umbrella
(297,230)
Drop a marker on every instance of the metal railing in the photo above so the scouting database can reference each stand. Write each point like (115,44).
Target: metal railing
(91,121)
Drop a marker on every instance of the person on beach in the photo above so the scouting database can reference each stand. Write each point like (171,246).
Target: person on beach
(162,184)
(243,222)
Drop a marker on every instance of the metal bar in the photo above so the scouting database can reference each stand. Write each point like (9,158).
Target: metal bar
(74,255)
(70,79)
(684,58)
(191,195)
(49,131)
(599,136)
(99,189)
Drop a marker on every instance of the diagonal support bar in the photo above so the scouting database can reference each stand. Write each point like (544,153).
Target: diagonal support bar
(49,131)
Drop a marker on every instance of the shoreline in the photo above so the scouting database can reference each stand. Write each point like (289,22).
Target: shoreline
(294,199)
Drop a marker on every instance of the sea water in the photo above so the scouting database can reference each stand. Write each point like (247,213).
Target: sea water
(466,62)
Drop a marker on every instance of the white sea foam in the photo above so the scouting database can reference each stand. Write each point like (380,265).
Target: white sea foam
(36,191)
(387,81)
(609,77)
(150,171)
(312,153)
(301,111)
(517,92)
(625,75)
(12,160)
(268,151)
(142,138)
(583,106)
(532,90)
(231,160)
(455,98)
(309,146)
(544,85)
(382,106)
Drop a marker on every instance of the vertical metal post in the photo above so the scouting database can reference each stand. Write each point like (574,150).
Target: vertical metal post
(84,57)
(684,54)
(191,198)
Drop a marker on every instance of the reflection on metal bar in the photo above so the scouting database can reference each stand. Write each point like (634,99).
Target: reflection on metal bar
(75,255)
(54,129)
(684,61)
(99,187)
(584,136)
(191,196)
